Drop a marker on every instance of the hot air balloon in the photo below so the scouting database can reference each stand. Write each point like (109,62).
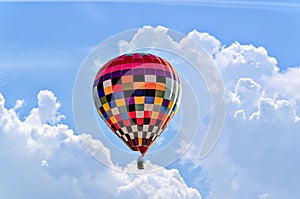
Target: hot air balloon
(137,95)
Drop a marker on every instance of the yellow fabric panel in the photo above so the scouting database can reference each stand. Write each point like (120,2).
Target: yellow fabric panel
(120,102)
(106,107)
(139,100)
(158,101)
(138,85)
(113,119)
(154,115)
(171,104)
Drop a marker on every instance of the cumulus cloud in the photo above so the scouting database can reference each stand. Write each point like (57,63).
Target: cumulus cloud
(208,42)
(254,84)
(286,83)
(150,185)
(248,61)
(47,111)
(261,127)
(246,95)
(44,158)
(272,110)
(147,36)
(256,156)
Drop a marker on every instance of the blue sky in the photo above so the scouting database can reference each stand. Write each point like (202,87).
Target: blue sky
(42,46)
(45,33)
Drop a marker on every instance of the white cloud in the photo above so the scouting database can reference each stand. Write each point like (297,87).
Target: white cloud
(247,61)
(256,156)
(286,83)
(19,104)
(262,123)
(206,41)
(47,111)
(142,38)
(150,185)
(44,163)
(264,196)
(249,149)
(44,159)
(240,114)
(246,95)
(272,110)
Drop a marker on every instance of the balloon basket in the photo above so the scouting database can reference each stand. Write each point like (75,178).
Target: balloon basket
(140,163)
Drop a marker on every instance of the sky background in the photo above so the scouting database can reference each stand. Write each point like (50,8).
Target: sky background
(254,44)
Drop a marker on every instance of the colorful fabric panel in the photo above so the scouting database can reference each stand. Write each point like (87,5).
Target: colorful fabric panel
(137,95)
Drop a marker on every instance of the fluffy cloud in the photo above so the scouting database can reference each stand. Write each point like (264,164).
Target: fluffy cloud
(248,61)
(150,185)
(206,41)
(286,83)
(256,156)
(44,158)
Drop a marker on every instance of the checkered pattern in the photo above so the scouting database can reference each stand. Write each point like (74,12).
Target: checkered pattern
(137,95)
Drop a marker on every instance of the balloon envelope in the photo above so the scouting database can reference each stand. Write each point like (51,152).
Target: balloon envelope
(137,95)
